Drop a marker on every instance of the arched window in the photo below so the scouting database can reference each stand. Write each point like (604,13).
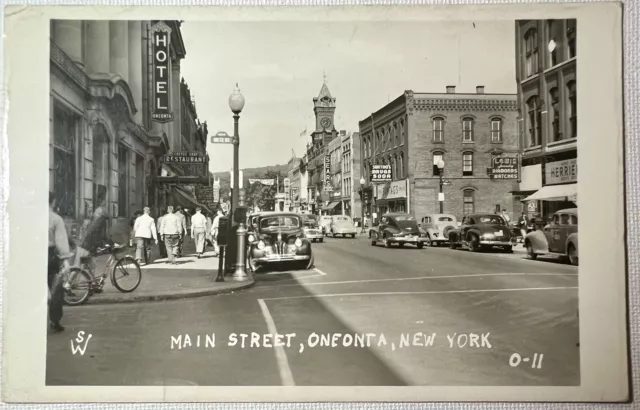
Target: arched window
(438,129)
(437,157)
(573,109)
(467,163)
(396,137)
(531,52)
(390,162)
(63,178)
(534,119)
(402,132)
(554,114)
(396,171)
(100,165)
(554,29)
(468,201)
(496,130)
(467,129)
(571,37)
(401,174)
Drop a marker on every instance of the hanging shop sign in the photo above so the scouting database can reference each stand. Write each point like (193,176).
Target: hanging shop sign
(160,37)
(561,172)
(185,158)
(327,174)
(504,168)
(380,173)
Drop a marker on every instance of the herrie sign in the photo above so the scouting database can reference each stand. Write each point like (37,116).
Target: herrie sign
(160,37)
(561,172)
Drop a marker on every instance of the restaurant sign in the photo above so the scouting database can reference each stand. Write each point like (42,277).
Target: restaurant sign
(185,158)
(327,174)
(561,172)
(160,37)
(380,173)
(504,168)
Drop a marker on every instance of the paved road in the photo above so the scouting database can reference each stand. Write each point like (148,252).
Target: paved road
(433,317)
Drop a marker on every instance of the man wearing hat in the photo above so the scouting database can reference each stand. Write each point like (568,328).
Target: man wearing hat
(199,230)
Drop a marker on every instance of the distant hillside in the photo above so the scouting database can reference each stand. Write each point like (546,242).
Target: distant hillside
(253,173)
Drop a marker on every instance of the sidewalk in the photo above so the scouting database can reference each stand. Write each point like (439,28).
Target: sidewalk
(192,277)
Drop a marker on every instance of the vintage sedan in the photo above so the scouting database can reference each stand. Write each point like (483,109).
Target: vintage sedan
(279,239)
(397,228)
(559,237)
(482,231)
(311,228)
(342,225)
(437,227)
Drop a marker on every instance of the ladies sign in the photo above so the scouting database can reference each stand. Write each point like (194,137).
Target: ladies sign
(160,37)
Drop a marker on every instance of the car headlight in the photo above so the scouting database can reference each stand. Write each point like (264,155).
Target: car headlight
(298,242)
(261,245)
(251,238)
(488,236)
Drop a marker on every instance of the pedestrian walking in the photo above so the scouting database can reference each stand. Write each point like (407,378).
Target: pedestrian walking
(58,261)
(199,230)
(214,231)
(144,231)
(171,233)
(183,227)
(522,224)
(161,246)
(93,234)
(209,238)
(506,217)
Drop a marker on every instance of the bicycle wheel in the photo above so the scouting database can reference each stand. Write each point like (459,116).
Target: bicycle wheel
(80,282)
(126,274)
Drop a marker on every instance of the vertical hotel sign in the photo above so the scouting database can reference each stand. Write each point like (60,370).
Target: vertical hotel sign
(160,37)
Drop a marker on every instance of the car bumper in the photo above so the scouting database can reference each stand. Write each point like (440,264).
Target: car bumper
(345,232)
(275,258)
(404,239)
(497,243)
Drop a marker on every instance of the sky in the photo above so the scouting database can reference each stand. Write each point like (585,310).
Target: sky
(280,67)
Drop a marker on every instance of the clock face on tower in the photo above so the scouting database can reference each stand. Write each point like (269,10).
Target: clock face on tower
(325,122)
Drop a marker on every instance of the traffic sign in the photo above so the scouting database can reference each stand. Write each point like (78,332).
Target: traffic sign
(222,138)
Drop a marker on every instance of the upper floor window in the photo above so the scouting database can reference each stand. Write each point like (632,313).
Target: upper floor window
(554,28)
(496,130)
(394,167)
(531,52)
(534,118)
(467,129)
(401,173)
(571,37)
(573,109)
(396,137)
(402,132)
(554,99)
(468,201)
(437,157)
(467,164)
(438,129)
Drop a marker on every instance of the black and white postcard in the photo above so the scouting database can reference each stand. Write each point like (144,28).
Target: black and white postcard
(385,203)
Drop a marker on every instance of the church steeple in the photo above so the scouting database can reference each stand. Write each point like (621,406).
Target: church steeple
(324,107)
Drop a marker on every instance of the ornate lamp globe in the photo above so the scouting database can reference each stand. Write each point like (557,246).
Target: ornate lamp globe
(236,101)
(440,164)
(362,181)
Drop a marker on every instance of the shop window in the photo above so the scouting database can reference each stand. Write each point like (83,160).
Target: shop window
(554,114)
(534,118)
(531,52)
(123,167)
(467,164)
(496,130)
(573,109)
(437,157)
(468,201)
(100,166)
(571,37)
(467,129)
(438,129)
(65,126)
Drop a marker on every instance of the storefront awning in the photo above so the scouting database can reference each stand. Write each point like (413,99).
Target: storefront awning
(185,199)
(565,192)
(330,206)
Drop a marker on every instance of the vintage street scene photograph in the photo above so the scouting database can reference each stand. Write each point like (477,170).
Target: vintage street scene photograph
(327,203)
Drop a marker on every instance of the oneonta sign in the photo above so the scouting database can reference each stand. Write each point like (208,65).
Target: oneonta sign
(160,37)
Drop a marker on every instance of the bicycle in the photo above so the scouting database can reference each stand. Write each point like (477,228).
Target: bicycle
(81,280)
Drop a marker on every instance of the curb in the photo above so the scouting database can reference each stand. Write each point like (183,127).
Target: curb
(185,294)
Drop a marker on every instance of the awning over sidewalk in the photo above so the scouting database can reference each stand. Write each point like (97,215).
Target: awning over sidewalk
(330,206)
(185,199)
(565,192)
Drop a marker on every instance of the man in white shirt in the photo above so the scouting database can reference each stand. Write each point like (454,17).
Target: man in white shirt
(144,229)
(199,230)
(506,217)
(214,231)
(171,232)
(59,254)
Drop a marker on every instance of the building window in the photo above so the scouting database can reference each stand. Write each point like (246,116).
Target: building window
(396,137)
(396,171)
(555,34)
(123,166)
(401,174)
(467,164)
(437,157)
(573,109)
(438,129)
(100,165)
(571,37)
(531,52)
(534,118)
(402,132)
(556,130)
(139,182)
(468,203)
(467,129)
(496,130)
(65,126)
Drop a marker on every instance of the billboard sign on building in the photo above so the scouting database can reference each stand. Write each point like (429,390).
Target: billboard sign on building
(504,167)
(380,173)
(328,187)
(561,172)
(188,158)
(160,37)
(395,190)
(267,182)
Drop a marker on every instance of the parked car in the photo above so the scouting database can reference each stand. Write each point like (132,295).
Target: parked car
(325,223)
(397,228)
(311,228)
(342,225)
(559,237)
(437,227)
(278,239)
(478,231)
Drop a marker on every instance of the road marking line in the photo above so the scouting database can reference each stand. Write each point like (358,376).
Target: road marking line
(434,292)
(281,356)
(279,283)
(319,271)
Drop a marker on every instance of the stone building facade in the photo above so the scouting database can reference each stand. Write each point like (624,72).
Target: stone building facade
(416,130)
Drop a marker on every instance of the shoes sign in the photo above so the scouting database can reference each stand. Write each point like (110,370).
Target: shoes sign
(160,37)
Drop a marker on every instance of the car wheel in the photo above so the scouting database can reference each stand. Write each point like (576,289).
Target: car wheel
(386,242)
(321,239)
(344,235)
(508,249)
(353,236)
(251,264)
(420,245)
(310,263)
(452,243)
(428,241)
(530,252)
(474,244)
(573,255)
(401,245)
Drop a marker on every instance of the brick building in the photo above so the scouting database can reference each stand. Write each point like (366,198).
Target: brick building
(416,130)
(351,198)
(547,101)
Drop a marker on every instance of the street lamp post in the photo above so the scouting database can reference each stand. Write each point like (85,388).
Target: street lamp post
(440,165)
(318,201)
(236,103)
(362,182)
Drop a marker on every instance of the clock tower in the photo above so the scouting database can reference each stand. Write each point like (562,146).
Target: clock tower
(324,107)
